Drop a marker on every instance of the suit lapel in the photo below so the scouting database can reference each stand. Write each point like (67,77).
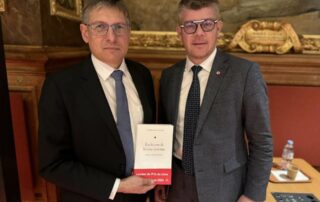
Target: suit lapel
(92,87)
(218,71)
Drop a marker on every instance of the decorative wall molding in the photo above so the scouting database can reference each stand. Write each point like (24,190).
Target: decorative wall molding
(286,69)
(2,5)
(268,37)
(155,40)
(254,37)
(62,9)
(310,44)
(166,40)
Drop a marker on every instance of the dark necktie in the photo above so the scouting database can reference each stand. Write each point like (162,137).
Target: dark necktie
(123,121)
(190,121)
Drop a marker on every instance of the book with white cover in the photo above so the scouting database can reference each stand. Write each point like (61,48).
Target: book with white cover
(153,152)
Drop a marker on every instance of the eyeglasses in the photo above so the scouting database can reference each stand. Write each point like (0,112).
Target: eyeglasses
(100,28)
(207,25)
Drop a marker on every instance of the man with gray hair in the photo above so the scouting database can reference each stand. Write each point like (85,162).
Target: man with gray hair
(218,104)
(88,114)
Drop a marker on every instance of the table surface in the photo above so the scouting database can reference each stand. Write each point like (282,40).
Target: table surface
(302,187)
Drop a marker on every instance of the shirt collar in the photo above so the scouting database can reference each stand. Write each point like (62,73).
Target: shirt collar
(206,64)
(104,70)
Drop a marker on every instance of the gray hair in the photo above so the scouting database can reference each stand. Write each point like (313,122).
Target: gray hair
(198,4)
(97,4)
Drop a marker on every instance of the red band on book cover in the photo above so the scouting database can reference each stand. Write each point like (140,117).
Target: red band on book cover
(160,176)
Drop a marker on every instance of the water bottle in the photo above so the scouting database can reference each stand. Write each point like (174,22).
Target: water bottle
(287,155)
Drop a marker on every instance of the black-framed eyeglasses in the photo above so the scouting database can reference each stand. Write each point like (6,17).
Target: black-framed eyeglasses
(207,25)
(101,28)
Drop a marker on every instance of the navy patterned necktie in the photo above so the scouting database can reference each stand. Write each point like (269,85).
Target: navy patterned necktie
(123,121)
(190,121)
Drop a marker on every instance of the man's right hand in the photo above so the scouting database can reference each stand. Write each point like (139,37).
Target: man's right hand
(135,185)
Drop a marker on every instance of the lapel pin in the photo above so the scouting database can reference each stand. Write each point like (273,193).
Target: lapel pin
(218,73)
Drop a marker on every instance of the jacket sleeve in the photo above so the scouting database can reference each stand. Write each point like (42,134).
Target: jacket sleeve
(258,132)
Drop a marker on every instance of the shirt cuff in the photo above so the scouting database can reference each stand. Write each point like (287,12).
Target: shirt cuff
(114,189)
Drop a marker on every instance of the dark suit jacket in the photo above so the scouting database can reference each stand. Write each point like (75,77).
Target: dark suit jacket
(235,103)
(80,148)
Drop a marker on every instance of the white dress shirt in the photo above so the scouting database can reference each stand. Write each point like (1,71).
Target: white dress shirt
(104,72)
(203,76)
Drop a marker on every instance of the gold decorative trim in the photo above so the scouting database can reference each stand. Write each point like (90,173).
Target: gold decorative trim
(57,8)
(262,36)
(2,6)
(225,39)
(166,40)
(154,40)
(310,44)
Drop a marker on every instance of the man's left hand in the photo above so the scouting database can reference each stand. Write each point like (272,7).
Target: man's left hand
(243,198)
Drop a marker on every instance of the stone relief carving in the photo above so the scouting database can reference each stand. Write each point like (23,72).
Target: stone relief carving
(261,36)
(311,44)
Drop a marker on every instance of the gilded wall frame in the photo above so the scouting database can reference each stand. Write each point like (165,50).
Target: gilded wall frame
(70,9)
(2,6)
(160,40)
